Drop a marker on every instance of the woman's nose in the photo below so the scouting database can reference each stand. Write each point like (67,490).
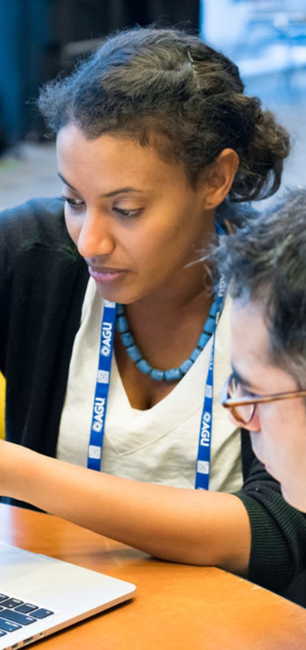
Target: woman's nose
(95,237)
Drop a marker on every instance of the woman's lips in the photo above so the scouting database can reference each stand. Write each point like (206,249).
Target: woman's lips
(105,274)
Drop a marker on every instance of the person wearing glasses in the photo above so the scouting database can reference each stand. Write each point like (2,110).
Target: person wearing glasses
(113,342)
(265,262)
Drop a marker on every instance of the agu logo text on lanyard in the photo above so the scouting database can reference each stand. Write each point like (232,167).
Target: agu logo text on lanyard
(203,459)
(102,389)
(102,386)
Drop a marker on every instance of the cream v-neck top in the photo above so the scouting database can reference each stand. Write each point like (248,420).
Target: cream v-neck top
(159,444)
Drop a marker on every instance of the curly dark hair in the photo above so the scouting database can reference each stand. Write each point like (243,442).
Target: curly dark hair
(147,82)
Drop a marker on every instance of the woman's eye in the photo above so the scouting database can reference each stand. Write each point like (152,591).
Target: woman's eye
(128,212)
(73,203)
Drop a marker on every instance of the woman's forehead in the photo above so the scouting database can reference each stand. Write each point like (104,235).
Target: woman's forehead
(120,148)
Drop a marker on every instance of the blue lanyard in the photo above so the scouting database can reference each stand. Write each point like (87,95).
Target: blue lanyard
(204,448)
(102,389)
(102,386)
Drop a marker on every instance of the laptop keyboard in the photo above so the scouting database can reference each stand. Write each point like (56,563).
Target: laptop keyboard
(15,614)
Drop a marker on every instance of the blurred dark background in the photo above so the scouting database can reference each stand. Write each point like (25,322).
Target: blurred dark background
(40,37)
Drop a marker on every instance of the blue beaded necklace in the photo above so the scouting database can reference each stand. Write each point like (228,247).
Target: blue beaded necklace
(174,374)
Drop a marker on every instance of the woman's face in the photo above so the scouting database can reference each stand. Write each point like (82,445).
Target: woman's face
(132,216)
(280,439)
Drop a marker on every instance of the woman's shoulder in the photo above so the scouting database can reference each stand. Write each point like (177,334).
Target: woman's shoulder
(36,233)
(39,209)
(38,221)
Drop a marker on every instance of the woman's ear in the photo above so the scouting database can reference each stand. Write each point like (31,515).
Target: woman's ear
(219,178)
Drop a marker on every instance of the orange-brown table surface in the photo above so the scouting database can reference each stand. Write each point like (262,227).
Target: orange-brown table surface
(176,607)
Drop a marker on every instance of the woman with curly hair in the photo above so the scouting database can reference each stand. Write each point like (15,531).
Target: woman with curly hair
(113,343)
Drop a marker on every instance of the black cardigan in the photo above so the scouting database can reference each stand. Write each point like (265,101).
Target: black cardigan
(42,284)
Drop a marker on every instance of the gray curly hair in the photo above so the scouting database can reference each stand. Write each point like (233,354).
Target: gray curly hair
(264,261)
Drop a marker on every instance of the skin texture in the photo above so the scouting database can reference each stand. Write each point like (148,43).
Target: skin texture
(278,428)
(130,211)
(127,210)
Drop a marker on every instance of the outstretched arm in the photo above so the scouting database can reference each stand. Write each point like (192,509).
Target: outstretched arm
(176,524)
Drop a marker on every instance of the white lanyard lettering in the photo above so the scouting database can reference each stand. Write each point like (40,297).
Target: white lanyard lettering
(102,386)
(102,389)
(203,460)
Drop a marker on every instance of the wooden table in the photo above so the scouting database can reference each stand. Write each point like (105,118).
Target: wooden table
(176,607)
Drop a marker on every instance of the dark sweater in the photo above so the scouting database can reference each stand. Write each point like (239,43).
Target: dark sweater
(42,285)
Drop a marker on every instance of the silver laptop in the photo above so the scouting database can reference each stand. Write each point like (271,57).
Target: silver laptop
(41,595)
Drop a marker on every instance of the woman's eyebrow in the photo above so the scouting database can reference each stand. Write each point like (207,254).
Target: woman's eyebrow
(66,182)
(120,190)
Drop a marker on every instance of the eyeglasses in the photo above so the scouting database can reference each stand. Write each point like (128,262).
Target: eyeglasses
(242,406)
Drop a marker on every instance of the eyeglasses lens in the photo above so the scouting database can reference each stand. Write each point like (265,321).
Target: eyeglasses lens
(244,412)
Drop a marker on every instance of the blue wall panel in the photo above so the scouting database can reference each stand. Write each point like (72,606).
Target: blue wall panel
(24,33)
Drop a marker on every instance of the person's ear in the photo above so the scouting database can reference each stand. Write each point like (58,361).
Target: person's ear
(219,178)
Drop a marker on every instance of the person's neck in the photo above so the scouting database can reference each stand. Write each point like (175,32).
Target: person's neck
(180,304)
(191,292)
